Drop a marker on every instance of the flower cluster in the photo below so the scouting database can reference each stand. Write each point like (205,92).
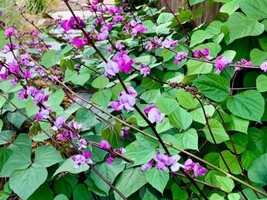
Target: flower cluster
(220,63)
(242,62)
(202,53)
(179,57)
(153,114)
(126,100)
(134,28)
(163,162)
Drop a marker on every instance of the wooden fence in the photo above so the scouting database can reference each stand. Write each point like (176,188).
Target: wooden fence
(210,10)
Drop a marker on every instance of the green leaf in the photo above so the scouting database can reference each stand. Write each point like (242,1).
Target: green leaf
(163,28)
(248,105)
(42,193)
(178,192)
(217,131)
(216,196)
(31,108)
(86,118)
(165,17)
(234,196)
(198,67)
(254,8)
(25,182)
(149,195)
(261,83)
(213,86)
(157,179)
(16,118)
(188,139)
(55,99)
(4,156)
(102,97)
(186,99)
(145,153)
(109,171)
(225,183)
(198,115)
(21,157)
(214,27)
(180,118)
(240,142)
(193,2)
(257,172)
(151,96)
(230,7)
(100,82)
(112,135)
(167,105)
(68,166)
(81,192)
(49,59)
(163,126)
(61,197)
(65,185)
(238,124)
(198,37)
(45,156)
(6,136)
(167,55)
(246,27)
(129,181)
(231,162)
(257,56)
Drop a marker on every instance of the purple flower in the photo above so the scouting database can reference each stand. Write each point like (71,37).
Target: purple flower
(28,74)
(79,42)
(144,70)
(83,158)
(179,57)
(59,122)
(220,63)
(173,162)
(10,32)
(31,91)
(190,166)
(243,62)
(202,53)
(13,67)
(73,24)
(103,34)
(43,113)
(111,69)
(82,143)
(154,115)
(110,159)
(169,43)
(22,94)
(124,131)
(125,63)
(118,18)
(40,97)
(154,43)
(104,145)
(114,10)
(147,166)
(75,125)
(125,101)
(263,66)
(3,72)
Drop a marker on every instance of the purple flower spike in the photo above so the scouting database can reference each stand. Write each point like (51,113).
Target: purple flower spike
(111,69)
(10,32)
(60,122)
(104,145)
(154,115)
(220,63)
(193,167)
(179,57)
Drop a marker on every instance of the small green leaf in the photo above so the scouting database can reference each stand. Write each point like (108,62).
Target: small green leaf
(151,96)
(157,179)
(213,86)
(45,156)
(246,26)
(49,59)
(180,118)
(68,166)
(248,105)
(257,172)
(234,196)
(129,181)
(165,17)
(145,153)
(225,183)
(198,67)
(188,139)
(198,115)
(198,37)
(240,142)
(254,8)
(100,82)
(86,118)
(231,162)
(102,97)
(167,105)
(261,83)
(186,99)
(5,136)
(229,7)
(257,56)
(217,130)
(25,182)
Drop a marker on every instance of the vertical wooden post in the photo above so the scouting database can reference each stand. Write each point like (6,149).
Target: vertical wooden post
(209,14)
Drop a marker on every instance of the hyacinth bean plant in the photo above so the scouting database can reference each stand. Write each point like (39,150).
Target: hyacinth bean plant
(136,104)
